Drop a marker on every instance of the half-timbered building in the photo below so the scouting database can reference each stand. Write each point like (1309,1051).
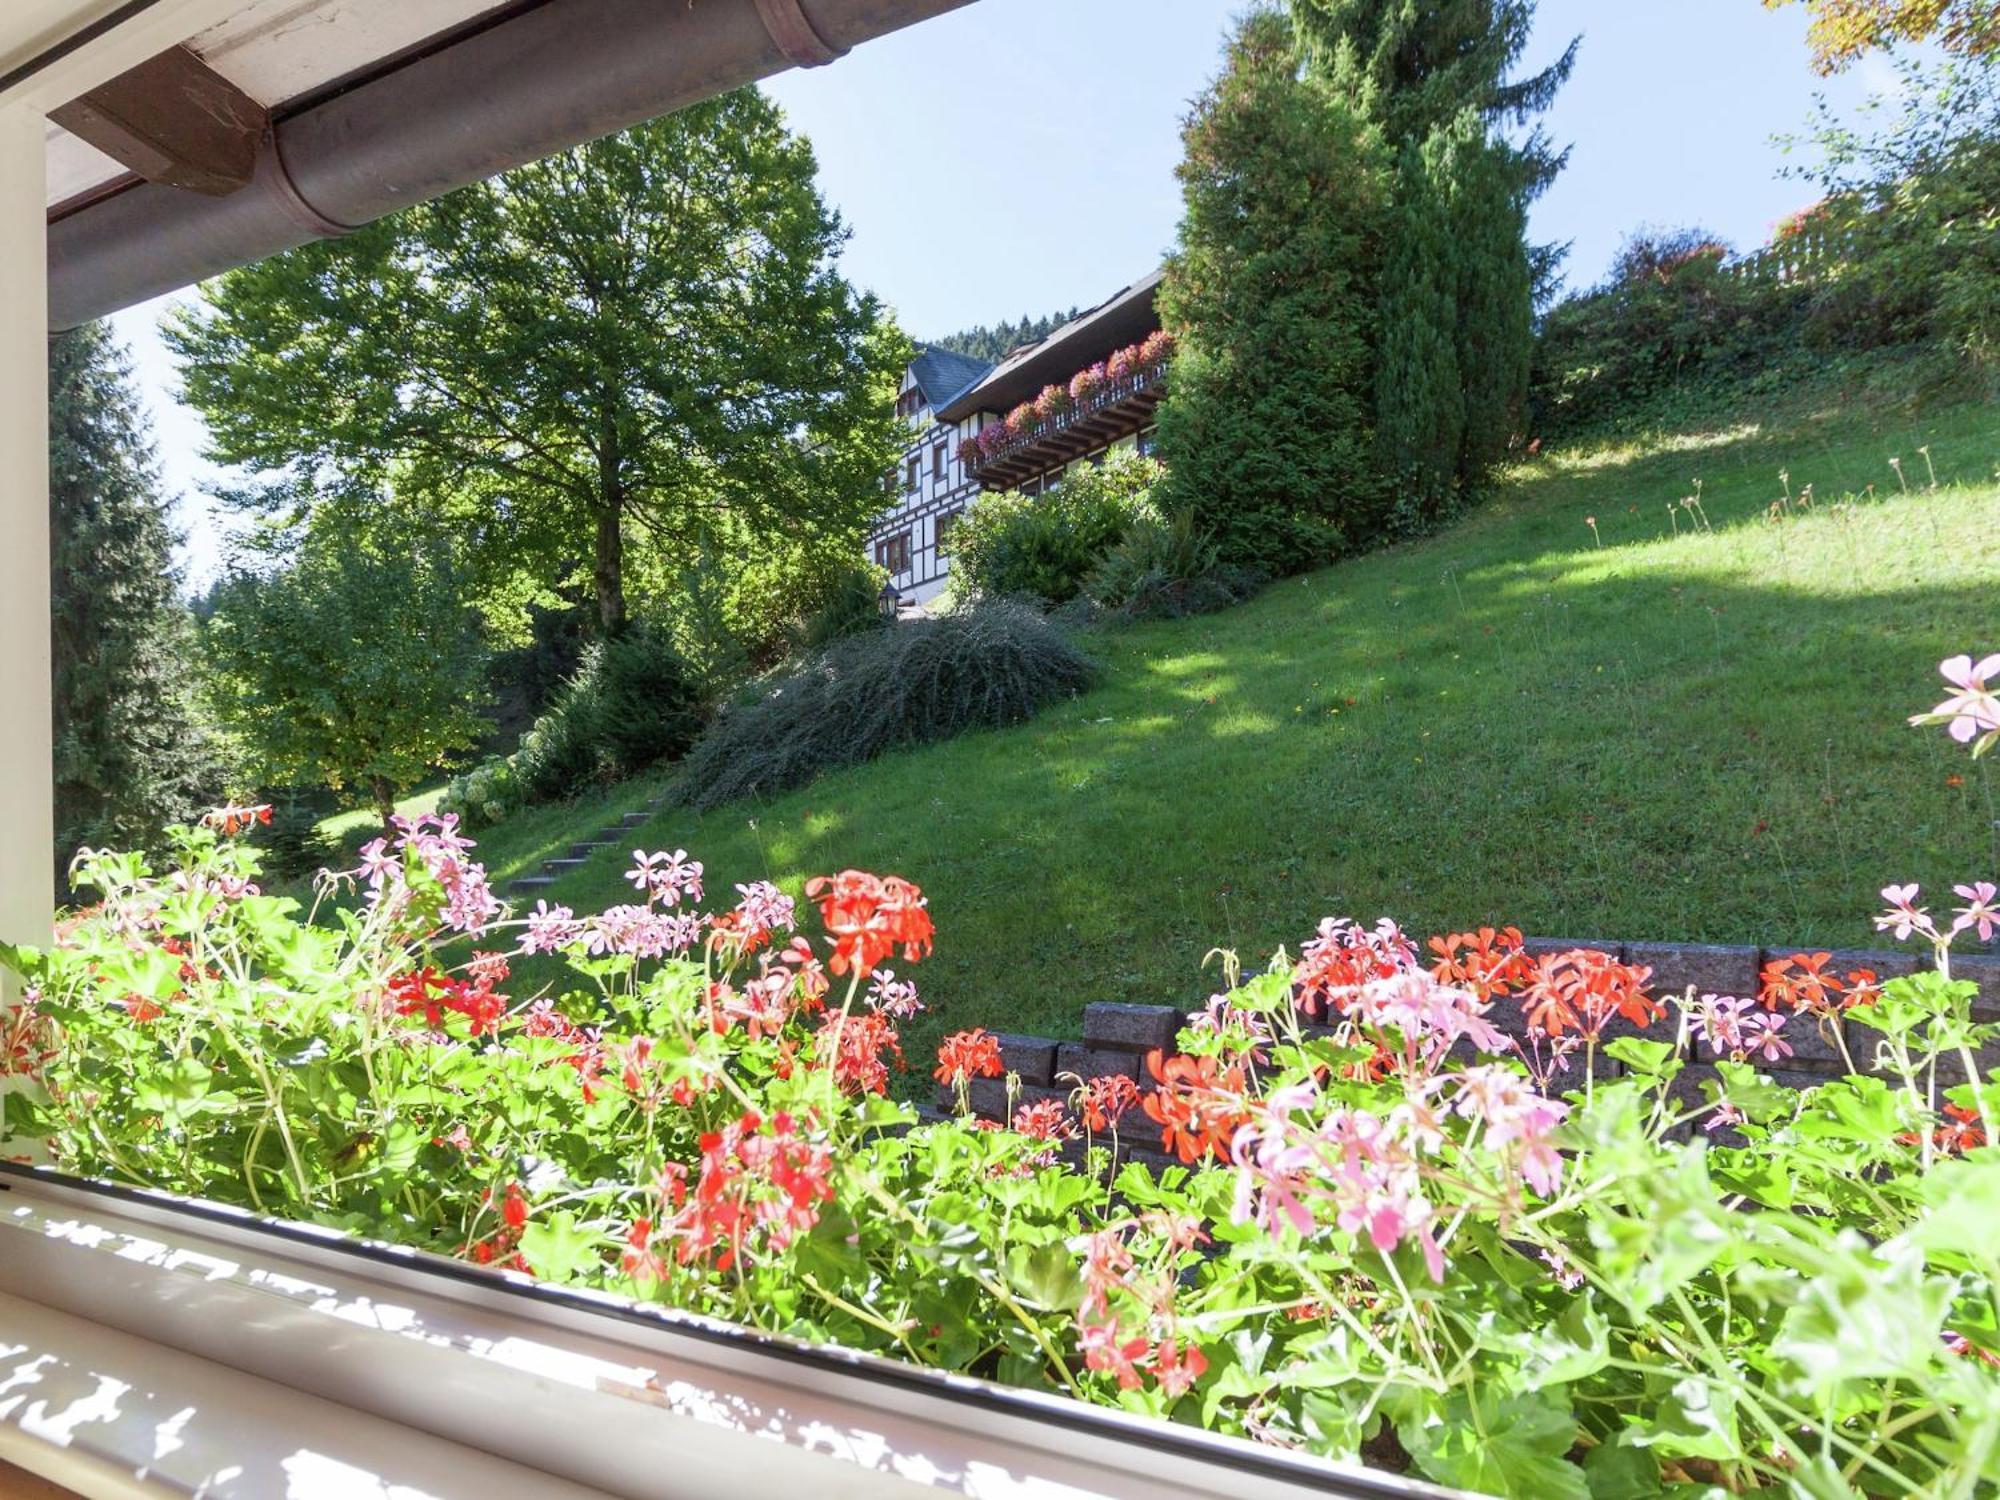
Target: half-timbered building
(1087,390)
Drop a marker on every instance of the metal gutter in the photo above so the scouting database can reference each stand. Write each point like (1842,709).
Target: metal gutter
(608,1394)
(541,81)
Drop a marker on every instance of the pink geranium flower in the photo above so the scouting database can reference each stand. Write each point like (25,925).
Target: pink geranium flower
(1973,709)
(1979,912)
(1903,915)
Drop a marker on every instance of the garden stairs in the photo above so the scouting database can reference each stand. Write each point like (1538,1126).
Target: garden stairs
(580,854)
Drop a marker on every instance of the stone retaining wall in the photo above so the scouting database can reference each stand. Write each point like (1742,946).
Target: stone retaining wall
(1116,1038)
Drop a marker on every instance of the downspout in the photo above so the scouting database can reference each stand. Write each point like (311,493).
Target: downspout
(559,74)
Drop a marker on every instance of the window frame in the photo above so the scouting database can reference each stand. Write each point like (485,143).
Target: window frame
(455,1352)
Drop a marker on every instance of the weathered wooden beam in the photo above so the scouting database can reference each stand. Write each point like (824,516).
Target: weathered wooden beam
(173,120)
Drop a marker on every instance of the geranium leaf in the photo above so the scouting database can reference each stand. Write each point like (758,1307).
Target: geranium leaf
(1512,1445)
(558,1248)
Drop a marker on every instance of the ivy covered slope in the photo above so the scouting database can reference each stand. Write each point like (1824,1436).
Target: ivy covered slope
(1676,725)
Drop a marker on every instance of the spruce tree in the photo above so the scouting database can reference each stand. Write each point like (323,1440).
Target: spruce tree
(1267,434)
(131,755)
(1458,279)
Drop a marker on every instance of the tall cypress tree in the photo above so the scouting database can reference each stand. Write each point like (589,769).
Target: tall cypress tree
(1267,435)
(1458,278)
(130,753)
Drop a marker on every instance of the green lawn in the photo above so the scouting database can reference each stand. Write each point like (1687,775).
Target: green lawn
(1690,736)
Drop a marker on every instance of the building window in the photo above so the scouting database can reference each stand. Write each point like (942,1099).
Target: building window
(893,553)
(946,522)
(1148,441)
(910,476)
(937,461)
(889,483)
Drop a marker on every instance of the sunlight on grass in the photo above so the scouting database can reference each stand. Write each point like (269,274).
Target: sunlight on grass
(1697,737)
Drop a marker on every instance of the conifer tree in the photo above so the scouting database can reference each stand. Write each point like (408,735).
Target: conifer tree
(1458,279)
(131,754)
(1267,435)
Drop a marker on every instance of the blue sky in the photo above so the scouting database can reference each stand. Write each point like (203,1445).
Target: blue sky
(1017,156)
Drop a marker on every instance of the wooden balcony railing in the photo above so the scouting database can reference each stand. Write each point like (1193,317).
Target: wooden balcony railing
(1117,408)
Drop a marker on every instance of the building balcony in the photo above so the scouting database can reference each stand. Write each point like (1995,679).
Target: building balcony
(1117,409)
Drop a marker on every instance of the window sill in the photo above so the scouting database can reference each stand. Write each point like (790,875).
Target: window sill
(150,1347)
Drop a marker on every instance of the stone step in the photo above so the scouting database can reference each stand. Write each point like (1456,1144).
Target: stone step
(584,851)
(613,835)
(636,820)
(527,885)
(562,867)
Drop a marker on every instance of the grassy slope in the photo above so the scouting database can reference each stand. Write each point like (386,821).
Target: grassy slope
(1692,737)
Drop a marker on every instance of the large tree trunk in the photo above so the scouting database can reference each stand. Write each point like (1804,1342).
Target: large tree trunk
(385,802)
(609,569)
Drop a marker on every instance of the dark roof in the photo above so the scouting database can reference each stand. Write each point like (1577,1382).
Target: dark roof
(942,373)
(1126,318)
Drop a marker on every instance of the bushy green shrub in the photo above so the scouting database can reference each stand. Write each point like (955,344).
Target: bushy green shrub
(852,606)
(485,795)
(1044,547)
(1164,568)
(1670,311)
(994,664)
(630,706)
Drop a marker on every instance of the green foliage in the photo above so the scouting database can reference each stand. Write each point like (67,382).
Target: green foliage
(293,844)
(1916,209)
(995,343)
(1391,1233)
(1267,431)
(1164,569)
(132,750)
(355,665)
(1457,279)
(631,705)
(1043,547)
(852,606)
(994,664)
(584,370)
(1669,314)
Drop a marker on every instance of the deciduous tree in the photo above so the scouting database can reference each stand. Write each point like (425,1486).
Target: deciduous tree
(355,664)
(1842,30)
(580,367)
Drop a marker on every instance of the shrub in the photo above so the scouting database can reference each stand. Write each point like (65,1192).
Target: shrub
(1044,547)
(1669,312)
(630,706)
(853,606)
(487,794)
(293,845)
(1163,568)
(923,680)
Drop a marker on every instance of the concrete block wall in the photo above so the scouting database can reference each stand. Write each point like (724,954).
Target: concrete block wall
(1116,1038)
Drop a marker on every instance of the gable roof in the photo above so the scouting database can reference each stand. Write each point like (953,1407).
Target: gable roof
(1125,318)
(942,373)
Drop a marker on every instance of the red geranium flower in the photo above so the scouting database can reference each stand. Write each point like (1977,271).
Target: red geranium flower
(1487,962)
(868,917)
(968,1054)
(1198,1105)
(1106,1099)
(1581,990)
(858,1048)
